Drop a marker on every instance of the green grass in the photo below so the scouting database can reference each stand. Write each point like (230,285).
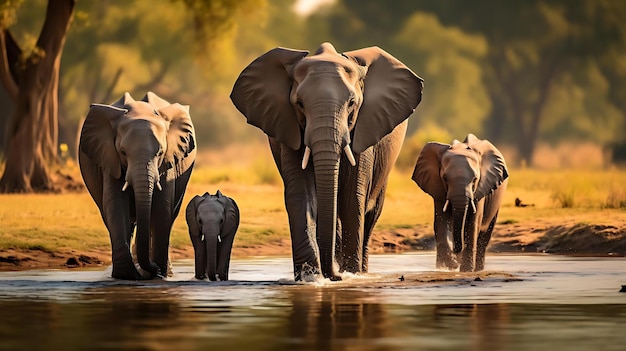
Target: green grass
(62,221)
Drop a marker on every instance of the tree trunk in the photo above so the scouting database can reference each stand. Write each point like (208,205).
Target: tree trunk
(33,133)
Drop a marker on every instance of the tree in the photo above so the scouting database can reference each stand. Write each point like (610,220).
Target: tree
(154,43)
(32,80)
(540,54)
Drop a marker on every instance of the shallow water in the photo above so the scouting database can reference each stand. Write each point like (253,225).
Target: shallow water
(522,303)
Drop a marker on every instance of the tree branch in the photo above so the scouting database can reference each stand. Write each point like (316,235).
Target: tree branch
(116,79)
(6,77)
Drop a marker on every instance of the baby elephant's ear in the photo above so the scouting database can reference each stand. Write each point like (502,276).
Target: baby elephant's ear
(493,170)
(427,170)
(231,216)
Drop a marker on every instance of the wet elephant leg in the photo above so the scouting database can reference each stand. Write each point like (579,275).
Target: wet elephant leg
(301,209)
(371,217)
(116,215)
(481,244)
(161,223)
(351,209)
(443,231)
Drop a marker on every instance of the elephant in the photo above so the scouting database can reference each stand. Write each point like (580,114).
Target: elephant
(213,221)
(335,124)
(471,176)
(126,150)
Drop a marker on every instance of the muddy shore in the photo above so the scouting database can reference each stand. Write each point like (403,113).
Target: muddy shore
(560,236)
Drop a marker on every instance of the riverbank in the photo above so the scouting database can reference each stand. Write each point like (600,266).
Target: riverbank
(566,236)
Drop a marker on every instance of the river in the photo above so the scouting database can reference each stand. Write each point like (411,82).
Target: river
(521,302)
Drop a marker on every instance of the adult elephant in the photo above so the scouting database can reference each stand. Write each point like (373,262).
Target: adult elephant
(328,106)
(128,149)
(467,182)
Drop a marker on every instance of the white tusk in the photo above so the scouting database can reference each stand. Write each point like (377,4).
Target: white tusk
(125,186)
(473,206)
(349,155)
(219,238)
(445,206)
(158,185)
(305,159)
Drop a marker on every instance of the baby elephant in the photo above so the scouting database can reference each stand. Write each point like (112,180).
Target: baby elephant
(213,221)
(467,181)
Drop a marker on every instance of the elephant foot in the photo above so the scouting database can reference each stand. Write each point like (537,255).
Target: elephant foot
(305,272)
(335,278)
(127,274)
(466,267)
(447,261)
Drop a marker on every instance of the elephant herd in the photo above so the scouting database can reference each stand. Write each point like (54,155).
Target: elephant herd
(335,124)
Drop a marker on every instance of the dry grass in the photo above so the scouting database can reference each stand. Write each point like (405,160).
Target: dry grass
(51,222)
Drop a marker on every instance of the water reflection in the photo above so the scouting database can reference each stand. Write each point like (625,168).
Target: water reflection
(41,313)
(330,319)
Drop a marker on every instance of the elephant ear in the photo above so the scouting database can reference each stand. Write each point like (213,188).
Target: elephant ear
(154,100)
(97,137)
(493,170)
(123,101)
(180,137)
(391,93)
(191,216)
(261,94)
(471,139)
(427,170)
(231,215)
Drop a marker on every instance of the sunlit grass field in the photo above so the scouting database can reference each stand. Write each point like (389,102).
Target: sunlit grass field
(72,221)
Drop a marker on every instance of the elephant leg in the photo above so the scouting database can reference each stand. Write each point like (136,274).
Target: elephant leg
(116,215)
(351,210)
(468,255)
(301,209)
(443,230)
(338,243)
(481,244)
(161,226)
(371,217)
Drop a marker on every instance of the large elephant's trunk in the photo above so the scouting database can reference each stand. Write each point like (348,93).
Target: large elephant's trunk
(143,185)
(326,156)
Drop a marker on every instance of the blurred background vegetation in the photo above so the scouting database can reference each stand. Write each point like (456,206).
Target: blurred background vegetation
(545,80)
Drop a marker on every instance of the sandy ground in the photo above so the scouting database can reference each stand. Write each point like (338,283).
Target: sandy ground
(558,236)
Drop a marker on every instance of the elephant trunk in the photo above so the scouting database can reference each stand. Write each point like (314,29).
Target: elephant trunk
(326,155)
(200,258)
(143,185)
(459,216)
(211,238)
(143,179)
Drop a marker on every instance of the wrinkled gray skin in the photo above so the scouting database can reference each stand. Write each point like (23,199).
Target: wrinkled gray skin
(349,113)
(136,158)
(467,182)
(213,221)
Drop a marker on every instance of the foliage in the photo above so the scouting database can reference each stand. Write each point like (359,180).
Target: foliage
(486,70)
(554,80)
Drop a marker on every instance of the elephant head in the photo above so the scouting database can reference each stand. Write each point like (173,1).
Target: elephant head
(138,141)
(460,175)
(213,221)
(327,105)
